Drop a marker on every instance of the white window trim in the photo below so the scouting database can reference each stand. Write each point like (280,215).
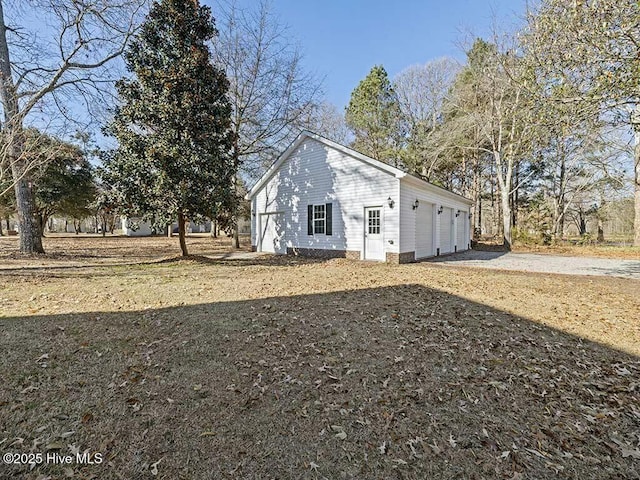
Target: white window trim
(317,218)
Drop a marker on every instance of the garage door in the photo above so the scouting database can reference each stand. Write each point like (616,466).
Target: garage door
(272,233)
(462,238)
(446,229)
(424,230)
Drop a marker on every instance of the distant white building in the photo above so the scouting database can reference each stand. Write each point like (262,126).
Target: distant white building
(144,229)
(135,227)
(323,199)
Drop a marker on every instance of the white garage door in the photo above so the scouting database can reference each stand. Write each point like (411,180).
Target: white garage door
(272,233)
(462,238)
(446,229)
(424,230)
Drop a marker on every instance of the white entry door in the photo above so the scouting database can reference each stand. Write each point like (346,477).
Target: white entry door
(272,233)
(373,241)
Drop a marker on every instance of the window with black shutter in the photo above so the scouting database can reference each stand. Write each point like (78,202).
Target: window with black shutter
(320,219)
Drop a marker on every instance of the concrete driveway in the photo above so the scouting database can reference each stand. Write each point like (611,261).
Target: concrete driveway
(529,262)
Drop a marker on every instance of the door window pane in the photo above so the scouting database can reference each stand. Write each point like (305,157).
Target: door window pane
(373,222)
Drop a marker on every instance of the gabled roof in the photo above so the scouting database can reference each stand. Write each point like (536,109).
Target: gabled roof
(305,134)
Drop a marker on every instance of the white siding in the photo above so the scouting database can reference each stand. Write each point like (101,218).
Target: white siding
(427,195)
(272,234)
(316,174)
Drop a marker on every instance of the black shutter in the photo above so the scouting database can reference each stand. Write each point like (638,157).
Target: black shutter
(329,218)
(309,219)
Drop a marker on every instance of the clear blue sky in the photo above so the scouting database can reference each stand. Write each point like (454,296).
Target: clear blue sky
(343,39)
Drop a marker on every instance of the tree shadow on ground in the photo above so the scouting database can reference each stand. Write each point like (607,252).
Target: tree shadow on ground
(111,269)
(394,382)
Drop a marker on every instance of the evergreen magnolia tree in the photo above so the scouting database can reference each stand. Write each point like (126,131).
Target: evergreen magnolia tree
(374,117)
(173,124)
(64,186)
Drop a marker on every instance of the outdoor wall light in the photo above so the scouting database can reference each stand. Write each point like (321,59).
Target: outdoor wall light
(415,204)
(390,202)
(458,213)
(470,215)
(440,210)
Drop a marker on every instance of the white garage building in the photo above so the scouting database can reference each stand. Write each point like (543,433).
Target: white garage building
(324,199)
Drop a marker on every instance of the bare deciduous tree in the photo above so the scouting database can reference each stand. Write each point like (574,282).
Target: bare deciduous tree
(271,94)
(422,91)
(325,119)
(591,49)
(491,101)
(67,60)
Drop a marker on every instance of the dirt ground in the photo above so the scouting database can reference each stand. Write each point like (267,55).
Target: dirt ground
(598,251)
(281,367)
(550,264)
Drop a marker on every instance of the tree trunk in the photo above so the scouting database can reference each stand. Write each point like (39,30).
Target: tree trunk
(582,224)
(600,232)
(561,201)
(504,174)
(182,234)
(30,238)
(42,221)
(236,165)
(636,192)
(506,219)
(214,229)
(477,199)
(463,177)
(514,196)
(1,234)
(236,236)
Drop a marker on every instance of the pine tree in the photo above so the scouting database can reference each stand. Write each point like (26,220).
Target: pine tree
(375,118)
(173,124)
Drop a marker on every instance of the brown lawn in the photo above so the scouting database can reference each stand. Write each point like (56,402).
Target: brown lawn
(273,367)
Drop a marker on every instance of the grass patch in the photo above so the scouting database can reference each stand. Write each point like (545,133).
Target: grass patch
(286,368)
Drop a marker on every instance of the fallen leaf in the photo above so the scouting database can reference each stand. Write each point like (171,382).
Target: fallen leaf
(154,468)
(631,453)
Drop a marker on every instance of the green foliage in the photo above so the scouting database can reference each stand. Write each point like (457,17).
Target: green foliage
(65,186)
(173,123)
(373,114)
(63,183)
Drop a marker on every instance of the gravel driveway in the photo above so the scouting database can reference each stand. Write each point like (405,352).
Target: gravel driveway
(528,262)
